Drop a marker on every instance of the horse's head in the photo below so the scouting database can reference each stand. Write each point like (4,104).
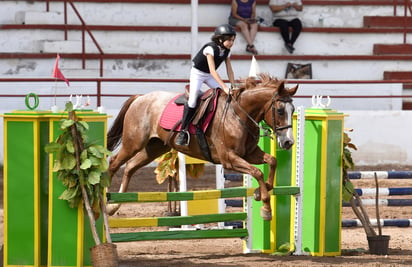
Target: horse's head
(279,114)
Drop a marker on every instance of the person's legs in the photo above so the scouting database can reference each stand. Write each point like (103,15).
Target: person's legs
(253,31)
(211,82)
(247,34)
(244,29)
(196,82)
(283,28)
(296,25)
(284,32)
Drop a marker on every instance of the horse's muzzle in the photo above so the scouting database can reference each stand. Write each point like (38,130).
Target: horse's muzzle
(285,143)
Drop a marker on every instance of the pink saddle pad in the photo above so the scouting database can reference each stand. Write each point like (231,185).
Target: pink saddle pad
(173,113)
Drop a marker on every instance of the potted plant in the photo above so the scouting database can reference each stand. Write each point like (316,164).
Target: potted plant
(81,166)
(378,243)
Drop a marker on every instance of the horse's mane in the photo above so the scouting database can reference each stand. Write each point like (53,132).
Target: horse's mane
(263,80)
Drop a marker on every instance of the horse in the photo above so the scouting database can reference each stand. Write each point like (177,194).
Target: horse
(232,135)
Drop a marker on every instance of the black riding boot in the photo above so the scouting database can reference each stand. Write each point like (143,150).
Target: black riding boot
(183,136)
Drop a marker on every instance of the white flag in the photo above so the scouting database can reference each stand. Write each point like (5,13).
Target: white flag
(254,68)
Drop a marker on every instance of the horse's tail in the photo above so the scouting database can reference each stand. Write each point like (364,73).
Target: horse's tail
(114,135)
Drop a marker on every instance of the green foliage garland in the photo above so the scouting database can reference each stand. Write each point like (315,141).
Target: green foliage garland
(93,165)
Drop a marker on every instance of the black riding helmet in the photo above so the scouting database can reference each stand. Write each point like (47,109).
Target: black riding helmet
(225,29)
(223,32)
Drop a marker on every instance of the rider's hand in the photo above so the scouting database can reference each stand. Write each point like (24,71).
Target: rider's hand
(226,89)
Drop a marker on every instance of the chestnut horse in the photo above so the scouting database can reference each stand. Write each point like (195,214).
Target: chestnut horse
(232,136)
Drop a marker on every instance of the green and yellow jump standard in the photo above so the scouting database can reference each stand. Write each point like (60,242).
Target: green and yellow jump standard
(39,228)
(321,192)
(322,185)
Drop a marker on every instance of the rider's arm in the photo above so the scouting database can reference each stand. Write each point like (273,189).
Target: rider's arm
(230,72)
(215,75)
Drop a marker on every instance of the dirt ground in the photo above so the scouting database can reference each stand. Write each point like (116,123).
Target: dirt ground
(228,252)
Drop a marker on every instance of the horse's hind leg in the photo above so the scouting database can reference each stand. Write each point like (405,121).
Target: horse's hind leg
(142,158)
(129,170)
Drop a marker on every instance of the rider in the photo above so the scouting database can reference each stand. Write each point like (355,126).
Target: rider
(205,64)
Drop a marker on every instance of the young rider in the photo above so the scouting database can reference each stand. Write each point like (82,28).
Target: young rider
(205,64)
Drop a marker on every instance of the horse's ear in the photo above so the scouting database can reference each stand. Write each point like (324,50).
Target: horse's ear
(293,90)
(285,91)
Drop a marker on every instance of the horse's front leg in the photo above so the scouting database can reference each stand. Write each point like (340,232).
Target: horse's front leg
(236,163)
(262,193)
(272,162)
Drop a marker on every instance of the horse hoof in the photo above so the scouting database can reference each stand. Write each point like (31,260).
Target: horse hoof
(256,194)
(112,208)
(266,215)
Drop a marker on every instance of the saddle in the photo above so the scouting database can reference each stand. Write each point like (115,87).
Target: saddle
(205,104)
(204,113)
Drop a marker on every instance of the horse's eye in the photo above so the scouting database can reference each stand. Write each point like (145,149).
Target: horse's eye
(281,111)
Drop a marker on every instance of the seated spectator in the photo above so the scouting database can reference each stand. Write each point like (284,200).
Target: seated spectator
(285,15)
(243,16)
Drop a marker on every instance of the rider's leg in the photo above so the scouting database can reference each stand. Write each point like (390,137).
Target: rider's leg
(183,136)
(196,81)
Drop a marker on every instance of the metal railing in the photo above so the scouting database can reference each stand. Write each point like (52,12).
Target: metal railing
(98,94)
(407,11)
(84,29)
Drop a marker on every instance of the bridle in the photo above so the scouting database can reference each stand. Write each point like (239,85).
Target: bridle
(267,131)
(280,112)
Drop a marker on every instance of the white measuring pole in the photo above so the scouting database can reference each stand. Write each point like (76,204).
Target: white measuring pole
(194,26)
(182,182)
(300,143)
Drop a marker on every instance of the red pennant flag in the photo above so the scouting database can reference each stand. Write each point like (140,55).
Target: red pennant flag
(57,72)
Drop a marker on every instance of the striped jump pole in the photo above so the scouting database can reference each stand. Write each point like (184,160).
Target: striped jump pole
(371,192)
(383,202)
(394,191)
(374,222)
(380,175)
(184,220)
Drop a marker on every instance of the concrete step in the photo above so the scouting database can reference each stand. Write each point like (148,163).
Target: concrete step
(397,75)
(407,87)
(387,21)
(386,49)
(70,46)
(154,42)
(85,73)
(128,13)
(178,66)
(34,17)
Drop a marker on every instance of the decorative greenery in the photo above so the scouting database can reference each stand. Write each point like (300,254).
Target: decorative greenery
(93,165)
(349,193)
(347,164)
(169,166)
(81,166)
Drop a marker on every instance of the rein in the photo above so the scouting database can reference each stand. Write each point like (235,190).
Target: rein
(266,130)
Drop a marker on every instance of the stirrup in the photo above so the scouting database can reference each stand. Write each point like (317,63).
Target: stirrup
(183,138)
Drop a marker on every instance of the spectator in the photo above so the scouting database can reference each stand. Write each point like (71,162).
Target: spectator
(285,15)
(243,15)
